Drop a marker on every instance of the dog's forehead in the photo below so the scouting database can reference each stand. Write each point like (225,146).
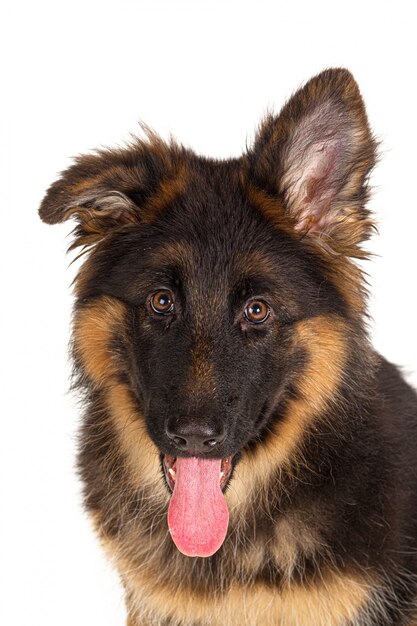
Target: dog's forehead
(215,240)
(203,257)
(213,224)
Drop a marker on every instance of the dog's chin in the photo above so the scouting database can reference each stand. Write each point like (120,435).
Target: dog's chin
(169,467)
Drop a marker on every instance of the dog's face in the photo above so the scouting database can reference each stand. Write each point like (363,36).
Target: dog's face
(204,275)
(210,351)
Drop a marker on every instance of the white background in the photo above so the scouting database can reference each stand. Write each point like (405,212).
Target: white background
(79,75)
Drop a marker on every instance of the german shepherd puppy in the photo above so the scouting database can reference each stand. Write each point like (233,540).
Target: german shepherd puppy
(247,457)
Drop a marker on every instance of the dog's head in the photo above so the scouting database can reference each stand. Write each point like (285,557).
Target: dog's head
(214,290)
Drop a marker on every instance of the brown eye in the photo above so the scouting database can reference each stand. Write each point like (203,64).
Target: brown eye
(257,311)
(162,302)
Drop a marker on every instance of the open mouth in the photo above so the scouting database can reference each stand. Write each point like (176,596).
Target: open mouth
(169,464)
(198,516)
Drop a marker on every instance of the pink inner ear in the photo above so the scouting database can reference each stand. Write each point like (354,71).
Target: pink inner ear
(317,187)
(315,164)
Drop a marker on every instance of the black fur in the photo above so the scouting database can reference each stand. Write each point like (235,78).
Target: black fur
(218,235)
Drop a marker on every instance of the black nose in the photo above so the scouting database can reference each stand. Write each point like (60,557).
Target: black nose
(195,436)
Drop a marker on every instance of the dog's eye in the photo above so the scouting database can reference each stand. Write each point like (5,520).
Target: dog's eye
(162,302)
(257,311)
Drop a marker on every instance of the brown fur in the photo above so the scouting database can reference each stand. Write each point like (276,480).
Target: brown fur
(336,599)
(321,430)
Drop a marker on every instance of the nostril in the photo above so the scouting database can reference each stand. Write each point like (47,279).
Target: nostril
(179,442)
(194,435)
(210,443)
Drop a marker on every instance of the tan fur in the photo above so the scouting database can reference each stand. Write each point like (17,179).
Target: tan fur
(201,379)
(88,183)
(271,206)
(330,601)
(140,452)
(324,340)
(258,261)
(347,278)
(294,540)
(178,252)
(94,328)
(169,189)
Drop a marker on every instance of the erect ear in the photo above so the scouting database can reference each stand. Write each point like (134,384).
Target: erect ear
(109,189)
(316,156)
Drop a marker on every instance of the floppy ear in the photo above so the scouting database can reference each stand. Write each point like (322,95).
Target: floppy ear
(316,155)
(109,189)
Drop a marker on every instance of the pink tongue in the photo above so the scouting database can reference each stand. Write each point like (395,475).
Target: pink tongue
(198,516)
